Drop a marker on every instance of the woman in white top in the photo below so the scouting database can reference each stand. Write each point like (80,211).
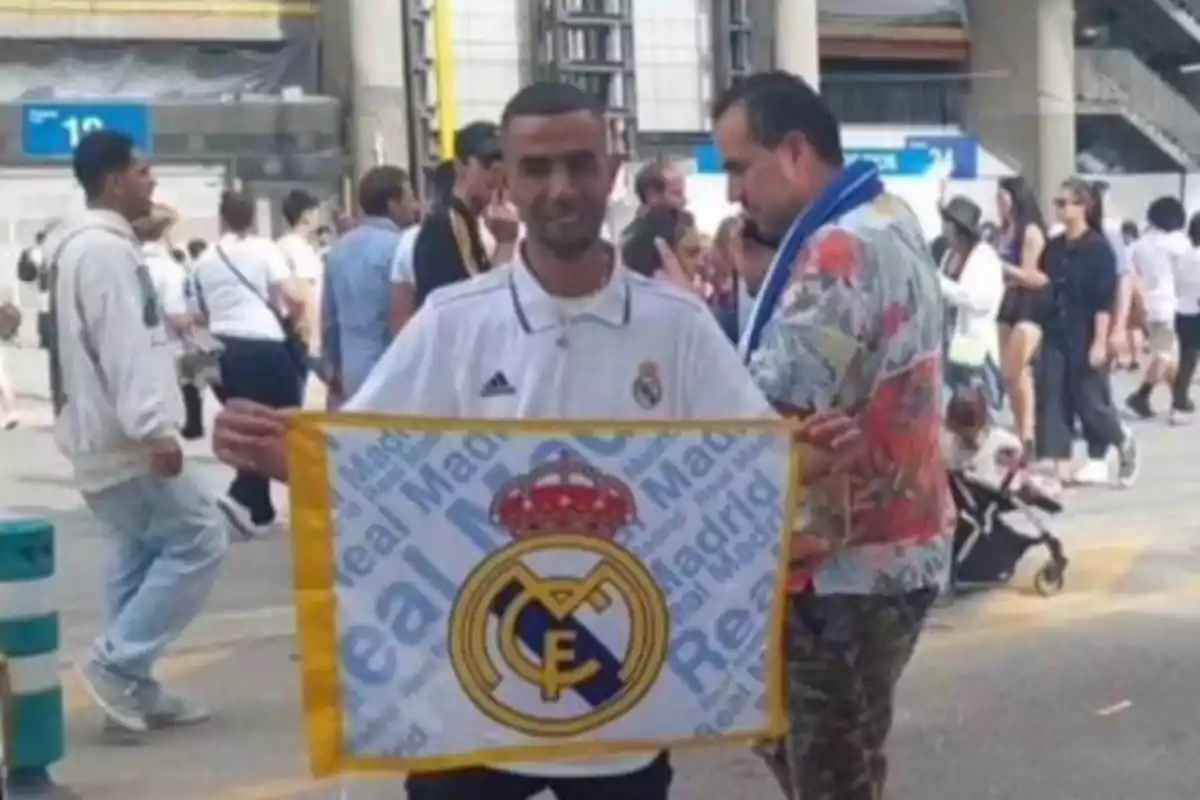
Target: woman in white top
(972,282)
(1187,323)
(239,285)
(170,279)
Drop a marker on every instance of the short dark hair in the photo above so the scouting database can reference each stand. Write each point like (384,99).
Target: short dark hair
(778,103)
(549,99)
(639,252)
(379,187)
(99,155)
(650,179)
(296,204)
(237,211)
(1166,213)
(477,140)
(196,248)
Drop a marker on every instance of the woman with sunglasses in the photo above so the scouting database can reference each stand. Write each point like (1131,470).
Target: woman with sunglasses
(1072,370)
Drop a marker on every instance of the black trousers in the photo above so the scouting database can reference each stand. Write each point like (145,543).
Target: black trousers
(1070,390)
(651,783)
(1187,329)
(260,370)
(193,407)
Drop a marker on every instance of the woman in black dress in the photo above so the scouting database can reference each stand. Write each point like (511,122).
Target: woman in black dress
(1022,239)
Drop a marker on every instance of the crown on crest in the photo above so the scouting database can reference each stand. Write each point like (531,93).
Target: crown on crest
(564,496)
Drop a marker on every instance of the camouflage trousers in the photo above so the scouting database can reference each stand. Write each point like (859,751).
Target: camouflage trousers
(845,655)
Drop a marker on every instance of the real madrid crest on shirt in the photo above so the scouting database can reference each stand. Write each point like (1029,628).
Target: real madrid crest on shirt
(560,652)
(647,386)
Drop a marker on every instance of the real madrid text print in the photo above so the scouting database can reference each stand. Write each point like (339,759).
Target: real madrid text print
(562,631)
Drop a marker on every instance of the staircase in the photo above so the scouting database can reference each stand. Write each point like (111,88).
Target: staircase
(1186,13)
(1113,81)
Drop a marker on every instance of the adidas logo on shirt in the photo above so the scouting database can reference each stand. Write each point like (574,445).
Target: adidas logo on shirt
(497,386)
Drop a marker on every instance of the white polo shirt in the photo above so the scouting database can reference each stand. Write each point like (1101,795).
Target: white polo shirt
(499,346)
(235,308)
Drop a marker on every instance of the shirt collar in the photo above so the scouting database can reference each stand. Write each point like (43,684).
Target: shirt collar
(109,219)
(383,223)
(537,310)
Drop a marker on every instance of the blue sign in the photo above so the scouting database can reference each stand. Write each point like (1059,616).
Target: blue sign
(920,156)
(708,160)
(896,162)
(53,130)
(961,151)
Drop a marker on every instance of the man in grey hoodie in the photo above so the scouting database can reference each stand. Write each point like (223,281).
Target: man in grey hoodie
(121,412)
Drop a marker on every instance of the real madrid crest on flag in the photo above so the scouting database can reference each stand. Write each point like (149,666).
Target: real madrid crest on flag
(491,592)
(564,609)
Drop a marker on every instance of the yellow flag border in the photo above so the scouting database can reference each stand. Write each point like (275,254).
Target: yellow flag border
(314,572)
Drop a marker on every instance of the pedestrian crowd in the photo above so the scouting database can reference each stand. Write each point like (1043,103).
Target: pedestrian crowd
(505,298)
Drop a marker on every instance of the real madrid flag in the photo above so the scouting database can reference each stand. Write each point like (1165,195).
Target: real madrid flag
(485,592)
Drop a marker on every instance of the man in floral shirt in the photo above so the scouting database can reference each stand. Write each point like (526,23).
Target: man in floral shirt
(855,324)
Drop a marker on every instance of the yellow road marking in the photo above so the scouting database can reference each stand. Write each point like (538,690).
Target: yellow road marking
(285,788)
(1094,575)
(76,698)
(1070,610)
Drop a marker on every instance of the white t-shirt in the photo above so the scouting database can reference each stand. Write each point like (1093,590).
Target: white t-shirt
(1153,258)
(232,307)
(1187,282)
(302,258)
(555,359)
(402,262)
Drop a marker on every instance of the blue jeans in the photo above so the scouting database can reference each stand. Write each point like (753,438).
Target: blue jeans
(170,541)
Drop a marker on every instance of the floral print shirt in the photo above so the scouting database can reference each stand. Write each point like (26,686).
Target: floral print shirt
(859,328)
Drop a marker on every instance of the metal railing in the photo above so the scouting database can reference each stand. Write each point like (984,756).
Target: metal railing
(303,9)
(1120,81)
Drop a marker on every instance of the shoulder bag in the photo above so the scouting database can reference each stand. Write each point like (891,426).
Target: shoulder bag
(296,347)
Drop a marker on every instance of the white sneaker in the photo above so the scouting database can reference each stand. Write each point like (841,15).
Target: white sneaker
(1093,473)
(239,519)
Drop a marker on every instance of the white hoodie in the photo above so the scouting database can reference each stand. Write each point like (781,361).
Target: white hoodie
(118,368)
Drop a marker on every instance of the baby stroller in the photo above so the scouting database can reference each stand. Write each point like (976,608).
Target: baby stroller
(987,547)
(991,488)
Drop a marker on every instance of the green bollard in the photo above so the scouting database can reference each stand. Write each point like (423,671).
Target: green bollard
(29,642)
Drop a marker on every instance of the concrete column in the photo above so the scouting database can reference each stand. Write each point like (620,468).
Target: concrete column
(1055,95)
(365,65)
(797,39)
(1022,98)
